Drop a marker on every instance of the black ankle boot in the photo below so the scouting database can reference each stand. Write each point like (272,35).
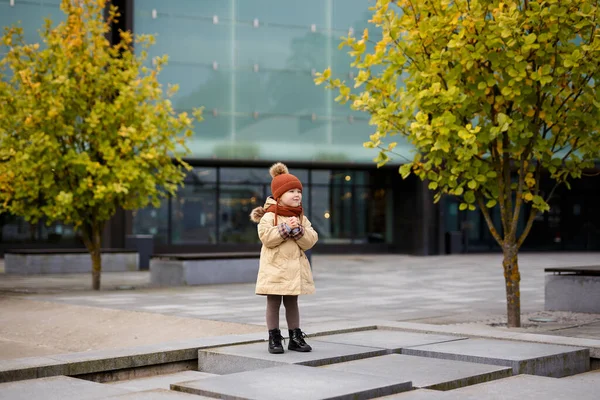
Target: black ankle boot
(275,338)
(297,342)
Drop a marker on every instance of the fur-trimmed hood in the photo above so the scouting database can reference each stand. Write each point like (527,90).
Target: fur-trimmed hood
(258,212)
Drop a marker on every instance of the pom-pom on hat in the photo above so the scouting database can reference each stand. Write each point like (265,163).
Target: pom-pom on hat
(282,180)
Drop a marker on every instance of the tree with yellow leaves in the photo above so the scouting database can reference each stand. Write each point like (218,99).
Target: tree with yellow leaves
(491,94)
(85,126)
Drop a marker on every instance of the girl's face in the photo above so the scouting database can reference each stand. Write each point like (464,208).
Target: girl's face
(292,198)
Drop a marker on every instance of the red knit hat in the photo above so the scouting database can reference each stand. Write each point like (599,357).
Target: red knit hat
(282,180)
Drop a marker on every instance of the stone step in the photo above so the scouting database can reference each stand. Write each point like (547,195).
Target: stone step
(57,388)
(232,359)
(388,339)
(158,394)
(424,372)
(294,382)
(525,387)
(523,358)
(159,381)
(522,387)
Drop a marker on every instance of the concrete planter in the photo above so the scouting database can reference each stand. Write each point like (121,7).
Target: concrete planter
(203,269)
(36,262)
(576,293)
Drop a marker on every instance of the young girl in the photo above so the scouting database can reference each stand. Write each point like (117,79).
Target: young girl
(284,271)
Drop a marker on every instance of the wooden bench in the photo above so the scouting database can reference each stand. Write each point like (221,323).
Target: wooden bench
(66,261)
(575,289)
(203,268)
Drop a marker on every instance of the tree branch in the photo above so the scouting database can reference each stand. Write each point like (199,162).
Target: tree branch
(518,202)
(488,219)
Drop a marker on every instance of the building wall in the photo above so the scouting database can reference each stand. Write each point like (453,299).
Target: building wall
(251,64)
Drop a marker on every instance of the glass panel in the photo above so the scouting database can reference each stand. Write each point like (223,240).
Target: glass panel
(186,8)
(280,48)
(343,177)
(271,92)
(362,206)
(194,215)
(351,13)
(199,86)
(16,229)
(288,13)
(301,174)
(245,175)
(187,39)
(451,215)
(272,135)
(342,213)
(320,176)
(201,175)
(30,16)
(378,215)
(153,221)
(57,233)
(351,133)
(320,213)
(235,204)
(208,133)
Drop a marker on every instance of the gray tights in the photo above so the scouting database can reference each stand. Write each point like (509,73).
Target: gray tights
(292,314)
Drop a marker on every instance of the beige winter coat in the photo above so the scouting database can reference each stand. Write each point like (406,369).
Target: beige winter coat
(284,268)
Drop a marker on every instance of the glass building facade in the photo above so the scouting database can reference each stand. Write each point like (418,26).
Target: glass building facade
(251,65)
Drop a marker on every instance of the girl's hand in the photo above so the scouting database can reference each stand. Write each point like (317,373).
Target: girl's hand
(293,222)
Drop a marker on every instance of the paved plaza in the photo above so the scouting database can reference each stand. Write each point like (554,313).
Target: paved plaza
(370,313)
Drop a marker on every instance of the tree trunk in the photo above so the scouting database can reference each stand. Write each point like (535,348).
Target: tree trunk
(512,279)
(93,241)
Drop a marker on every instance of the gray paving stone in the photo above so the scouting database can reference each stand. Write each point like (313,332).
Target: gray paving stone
(591,377)
(526,387)
(523,358)
(159,381)
(424,372)
(159,394)
(388,339)
(295,382)
(57,388)
(232,359)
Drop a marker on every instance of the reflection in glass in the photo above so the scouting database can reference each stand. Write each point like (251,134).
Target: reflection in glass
(194,214)
(235,204)
(320,213)
(245,175)
(153,221)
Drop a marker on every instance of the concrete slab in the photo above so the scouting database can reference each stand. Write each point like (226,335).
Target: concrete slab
(523,358)
(57,388)
(577,293)
(419,394)
(232,359)
(388,339)
(588,377)
(115,359)
(159,394)
(426,373)
(485,331)
(160,381)
(526,387)
(295,382)
(30,368)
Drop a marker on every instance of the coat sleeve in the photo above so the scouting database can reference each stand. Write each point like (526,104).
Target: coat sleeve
(310,236)
(270,235)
